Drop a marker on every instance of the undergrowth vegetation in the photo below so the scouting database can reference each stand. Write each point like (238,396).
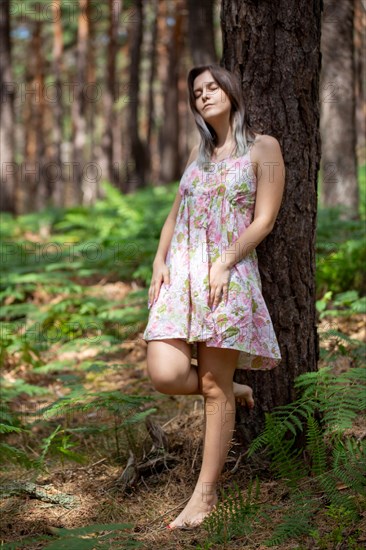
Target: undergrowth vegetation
(52,259)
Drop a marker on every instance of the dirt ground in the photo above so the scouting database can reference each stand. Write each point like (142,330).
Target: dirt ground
(102,491)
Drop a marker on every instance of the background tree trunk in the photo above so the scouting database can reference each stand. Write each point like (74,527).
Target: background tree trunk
(275,50)
(136,167)
(152,73)
(79,104)
(338,116)
(201,32)
(169,133)
(34,193)
(110,93)
(360,70)
(7,93)
(58,186)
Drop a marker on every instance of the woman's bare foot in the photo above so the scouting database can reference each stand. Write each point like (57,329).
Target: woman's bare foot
(197,508)
(244,394)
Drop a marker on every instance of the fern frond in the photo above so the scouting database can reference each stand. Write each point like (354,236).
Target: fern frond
(285,458)
(349,461)
(114,402)
(316,446)
(296,522)
(8,452)
(328,483)
(234,514)
(7,429)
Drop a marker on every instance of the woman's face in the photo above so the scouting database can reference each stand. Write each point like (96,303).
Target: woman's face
(211,100)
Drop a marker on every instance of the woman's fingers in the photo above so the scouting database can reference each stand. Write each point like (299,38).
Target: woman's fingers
(226,293)
(215,295)
(155,288)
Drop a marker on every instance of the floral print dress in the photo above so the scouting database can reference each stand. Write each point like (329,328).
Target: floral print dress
(217,205)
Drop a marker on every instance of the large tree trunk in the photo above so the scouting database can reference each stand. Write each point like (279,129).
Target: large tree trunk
(338,116)
(201,32)
(275,49)
(7,91)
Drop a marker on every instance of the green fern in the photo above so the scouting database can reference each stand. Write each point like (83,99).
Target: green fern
(234,515)
(84,538)
(285,458)
(9,453)
(125,406)
(316,446)
(297,522)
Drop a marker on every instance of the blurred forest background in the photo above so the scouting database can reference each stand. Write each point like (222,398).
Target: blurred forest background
(97,92)
(95,134)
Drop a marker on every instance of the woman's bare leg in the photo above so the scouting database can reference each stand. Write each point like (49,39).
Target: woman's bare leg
(216,367)
(169,367)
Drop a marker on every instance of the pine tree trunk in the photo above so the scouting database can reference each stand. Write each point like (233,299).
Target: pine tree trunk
(338,116)
(90,183)
(7,92)
(109,96)
(275,49)
(34,190)
(360,71)
(58,185)
(201,32)
(79,104)
(136,165)
(169,133)
(152,59)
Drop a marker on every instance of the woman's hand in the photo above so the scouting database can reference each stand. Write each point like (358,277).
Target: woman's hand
(219,279)
(160,275)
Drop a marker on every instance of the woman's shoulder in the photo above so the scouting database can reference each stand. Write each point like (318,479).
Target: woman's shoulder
(265,140)
(264,144)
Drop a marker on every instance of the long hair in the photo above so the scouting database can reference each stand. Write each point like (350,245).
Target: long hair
(243,133)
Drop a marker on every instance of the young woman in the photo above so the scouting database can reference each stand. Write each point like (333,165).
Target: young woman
(205,295)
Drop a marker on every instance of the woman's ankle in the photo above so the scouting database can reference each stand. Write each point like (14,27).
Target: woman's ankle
(207,491)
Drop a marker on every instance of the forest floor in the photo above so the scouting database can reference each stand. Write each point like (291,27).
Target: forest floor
(100,495)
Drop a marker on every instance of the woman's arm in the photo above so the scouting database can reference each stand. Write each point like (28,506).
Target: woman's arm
(169,225)
(267,156)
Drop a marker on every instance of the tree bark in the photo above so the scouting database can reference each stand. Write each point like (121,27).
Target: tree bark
(275,50)
(360,71)
(136,167)
(201,32)
(110,95)
(79,104)
(58,186)
(7,88)
(169,133)
(34,188)
(152,58)
(339,185)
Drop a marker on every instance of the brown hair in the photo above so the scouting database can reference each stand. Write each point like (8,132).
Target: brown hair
(243,132)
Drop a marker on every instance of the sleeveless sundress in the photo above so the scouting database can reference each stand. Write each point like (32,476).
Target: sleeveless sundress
(217,205)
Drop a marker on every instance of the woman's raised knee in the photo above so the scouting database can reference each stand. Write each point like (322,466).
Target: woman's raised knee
(168,365)
(164,381)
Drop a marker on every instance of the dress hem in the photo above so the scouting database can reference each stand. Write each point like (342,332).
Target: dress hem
(275,359)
